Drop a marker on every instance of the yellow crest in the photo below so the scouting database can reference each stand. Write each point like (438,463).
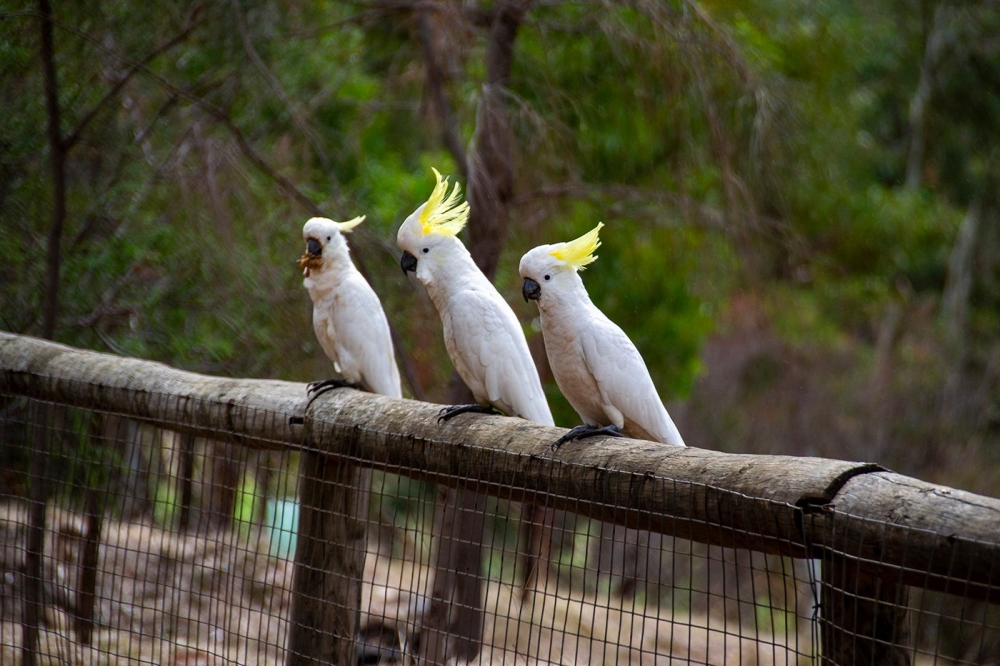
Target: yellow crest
(347,227)
(580,252)
(444,213)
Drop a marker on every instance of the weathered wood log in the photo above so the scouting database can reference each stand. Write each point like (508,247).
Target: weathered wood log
(919,534)
(213,407)
(329,562)
(905,530)
(738,501)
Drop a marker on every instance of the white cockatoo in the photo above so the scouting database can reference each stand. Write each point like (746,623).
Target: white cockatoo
(347,316)
(481,333)
(595,364)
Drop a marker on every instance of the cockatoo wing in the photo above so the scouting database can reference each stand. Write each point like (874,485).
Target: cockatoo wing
(360,333)
(625,384)
(487,345)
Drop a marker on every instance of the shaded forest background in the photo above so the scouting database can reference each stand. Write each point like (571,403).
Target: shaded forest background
(803,218)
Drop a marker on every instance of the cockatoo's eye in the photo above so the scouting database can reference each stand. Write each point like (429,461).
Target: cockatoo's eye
(426,250)
(548,277)
(329,238)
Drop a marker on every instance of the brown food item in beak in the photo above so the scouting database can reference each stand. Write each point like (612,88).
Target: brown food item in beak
(309,262)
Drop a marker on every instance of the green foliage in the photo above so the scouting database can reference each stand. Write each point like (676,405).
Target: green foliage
(247,505)
(640,284)
(166,503)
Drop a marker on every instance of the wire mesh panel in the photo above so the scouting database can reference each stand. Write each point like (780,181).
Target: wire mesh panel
(192,525)
(908,596)
(126,541)
(470,577)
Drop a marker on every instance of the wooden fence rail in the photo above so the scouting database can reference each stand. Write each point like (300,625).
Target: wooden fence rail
(868,523)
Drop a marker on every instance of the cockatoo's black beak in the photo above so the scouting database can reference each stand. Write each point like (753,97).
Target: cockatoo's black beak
(314,248)
(530,290)
(408,263)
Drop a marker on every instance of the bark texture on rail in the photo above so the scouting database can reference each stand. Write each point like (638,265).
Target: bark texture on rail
(250,411)
(917,533)
(903,529)
(739,501)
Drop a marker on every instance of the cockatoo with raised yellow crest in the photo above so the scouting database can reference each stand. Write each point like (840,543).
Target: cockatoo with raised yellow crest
(594,363)
(347,316)
(481,333)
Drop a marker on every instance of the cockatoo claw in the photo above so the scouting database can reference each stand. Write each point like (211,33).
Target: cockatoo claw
(452,411)
(583,431)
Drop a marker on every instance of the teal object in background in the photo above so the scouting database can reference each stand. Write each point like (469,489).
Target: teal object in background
(283,524)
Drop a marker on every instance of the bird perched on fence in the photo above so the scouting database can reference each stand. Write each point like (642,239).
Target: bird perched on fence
(595,364)
(347,316)
(481,333)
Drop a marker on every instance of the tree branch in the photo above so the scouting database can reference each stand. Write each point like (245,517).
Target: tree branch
(189,27)
(276,86)
(937,38)
(700,214)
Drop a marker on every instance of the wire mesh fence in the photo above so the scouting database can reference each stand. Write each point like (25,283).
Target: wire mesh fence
(154,516)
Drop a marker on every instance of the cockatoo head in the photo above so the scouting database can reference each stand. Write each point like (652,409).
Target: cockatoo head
(429,233)
(553,267)
(324,243)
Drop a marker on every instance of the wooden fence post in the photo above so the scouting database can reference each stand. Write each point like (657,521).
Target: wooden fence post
(863,618)
(329,562)
(453,626)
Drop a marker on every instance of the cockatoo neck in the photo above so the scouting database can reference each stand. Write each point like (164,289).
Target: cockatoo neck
(337,266)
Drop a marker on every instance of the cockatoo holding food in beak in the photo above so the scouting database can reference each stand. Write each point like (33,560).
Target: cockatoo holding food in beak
(347,316)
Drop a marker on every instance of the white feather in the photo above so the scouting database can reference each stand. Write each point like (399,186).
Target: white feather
(481,332)
(597,367)
(348,318)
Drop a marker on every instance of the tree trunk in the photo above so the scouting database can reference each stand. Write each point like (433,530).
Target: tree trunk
(435,88)
(186,480)
(134,502)
(86,597)
(958,285)
(491,162)
(447,631)
(881,396)
(34,555)
(936,40)
(223,476)
(33,558)
(50,309)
